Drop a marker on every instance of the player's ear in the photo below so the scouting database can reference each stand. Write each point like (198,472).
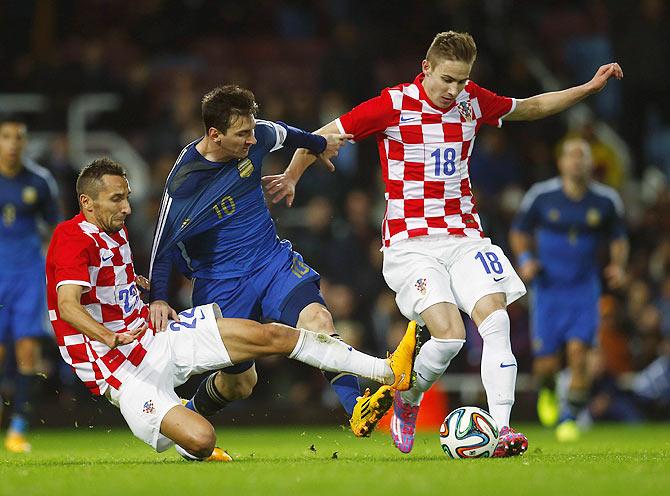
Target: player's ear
(214,134)
(86,202)
(425,67)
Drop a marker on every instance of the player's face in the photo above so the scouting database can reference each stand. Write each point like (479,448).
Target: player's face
(444,80)
(239,137)
(575,160)
(111,207)
(12,142)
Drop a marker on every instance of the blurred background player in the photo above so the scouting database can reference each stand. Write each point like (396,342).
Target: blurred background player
(436,257)
(215,227)
(28,202)
(103,330)
(556,237)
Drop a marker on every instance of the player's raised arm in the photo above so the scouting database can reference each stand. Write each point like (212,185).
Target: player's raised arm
(282,186)
(546,104)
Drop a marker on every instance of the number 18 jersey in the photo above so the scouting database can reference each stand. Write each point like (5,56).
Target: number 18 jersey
(425,156)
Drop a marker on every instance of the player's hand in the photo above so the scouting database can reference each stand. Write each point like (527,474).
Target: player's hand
(121,338)
(529,270)
(615,276)
(160,312)
(603,74)
(142,283)
(280,186)
(334,143)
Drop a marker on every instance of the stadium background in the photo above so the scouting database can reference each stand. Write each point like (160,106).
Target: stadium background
(124,78)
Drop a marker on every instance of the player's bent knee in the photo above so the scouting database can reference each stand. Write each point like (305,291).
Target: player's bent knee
(447,330)
(200,441)
(317,319)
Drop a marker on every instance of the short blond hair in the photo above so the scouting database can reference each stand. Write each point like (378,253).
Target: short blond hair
(451,45)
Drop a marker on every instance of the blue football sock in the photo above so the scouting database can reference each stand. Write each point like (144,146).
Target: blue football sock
(18,423)
(23,406)
(347,388)
(207,400)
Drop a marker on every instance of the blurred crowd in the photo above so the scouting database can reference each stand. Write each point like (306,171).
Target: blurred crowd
(310,61)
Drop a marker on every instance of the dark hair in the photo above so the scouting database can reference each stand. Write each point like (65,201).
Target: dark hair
(224,103)
(90,177)
(451,45)
(11,119)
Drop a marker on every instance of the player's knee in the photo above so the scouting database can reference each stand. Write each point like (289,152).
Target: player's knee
(545,367)
(447,330)
(317,319)
(200,441)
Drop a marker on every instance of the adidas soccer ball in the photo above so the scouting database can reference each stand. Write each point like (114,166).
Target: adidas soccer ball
(469,432)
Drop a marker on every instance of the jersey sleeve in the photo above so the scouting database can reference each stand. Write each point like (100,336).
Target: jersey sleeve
(269,135)
(70,255)
(527,217)
(492,108)
(368,118)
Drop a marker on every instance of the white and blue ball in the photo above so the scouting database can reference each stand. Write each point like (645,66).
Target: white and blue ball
(469,432)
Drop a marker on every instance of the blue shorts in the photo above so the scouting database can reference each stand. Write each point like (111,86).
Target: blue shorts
(277,291)
(559,317)
(23,313)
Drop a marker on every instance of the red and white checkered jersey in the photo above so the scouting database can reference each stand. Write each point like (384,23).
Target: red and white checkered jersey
(79,253)
(425,156)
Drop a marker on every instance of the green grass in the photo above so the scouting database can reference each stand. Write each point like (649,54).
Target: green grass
(608,460)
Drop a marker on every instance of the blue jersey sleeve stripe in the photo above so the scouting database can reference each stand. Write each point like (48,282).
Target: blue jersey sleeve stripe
(610,194)
(279,131)
(163,213)
(162,218)
(538,189)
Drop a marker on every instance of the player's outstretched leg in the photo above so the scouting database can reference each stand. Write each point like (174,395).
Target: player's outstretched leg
(433,360)
(370,408)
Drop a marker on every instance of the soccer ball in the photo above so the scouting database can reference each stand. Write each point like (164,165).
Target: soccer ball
(469,432)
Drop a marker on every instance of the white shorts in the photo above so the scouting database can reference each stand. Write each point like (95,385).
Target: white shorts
(185,348)
(427,270)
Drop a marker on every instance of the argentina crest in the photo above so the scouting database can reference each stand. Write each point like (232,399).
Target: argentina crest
(245,167)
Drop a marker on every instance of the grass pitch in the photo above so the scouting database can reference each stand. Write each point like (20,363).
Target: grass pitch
(293,461)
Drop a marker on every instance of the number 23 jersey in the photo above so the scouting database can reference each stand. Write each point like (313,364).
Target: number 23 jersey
(102,264)
(425,156)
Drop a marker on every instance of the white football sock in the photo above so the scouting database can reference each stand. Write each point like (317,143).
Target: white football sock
(330,354)
(433,359)
(186,454)
(498,366)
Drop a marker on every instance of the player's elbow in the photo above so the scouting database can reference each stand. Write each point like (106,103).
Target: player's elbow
(529,109)
(66,310)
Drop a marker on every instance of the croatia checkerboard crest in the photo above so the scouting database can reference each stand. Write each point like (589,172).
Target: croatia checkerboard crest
(465,109)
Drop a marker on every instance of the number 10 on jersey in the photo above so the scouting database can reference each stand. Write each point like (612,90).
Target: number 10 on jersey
(445,161)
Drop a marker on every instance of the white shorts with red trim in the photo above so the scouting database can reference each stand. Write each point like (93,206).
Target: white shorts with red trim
(427,270)
(191,346)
